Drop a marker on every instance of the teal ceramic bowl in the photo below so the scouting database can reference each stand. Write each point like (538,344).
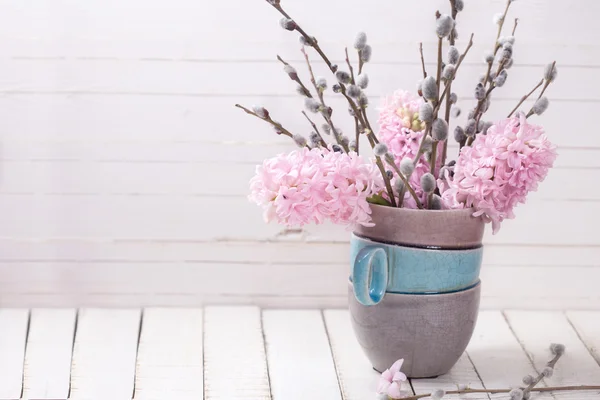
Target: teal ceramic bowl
(379,267)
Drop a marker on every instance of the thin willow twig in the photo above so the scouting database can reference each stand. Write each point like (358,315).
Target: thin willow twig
(325,113)
(296,78)
(422,60)
(540,83)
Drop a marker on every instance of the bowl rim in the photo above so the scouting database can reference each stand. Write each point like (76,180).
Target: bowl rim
(460,292)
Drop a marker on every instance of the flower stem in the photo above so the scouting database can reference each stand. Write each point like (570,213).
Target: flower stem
(438,78)
(356,125)
(479,111)
(433,161)
(437,106)
(525,97)
(386,179)
(349,66)
(452,41)
(390,161)
(357,137)
(322,142)
(361,63)
(422,60)
(373,141)
(478,114)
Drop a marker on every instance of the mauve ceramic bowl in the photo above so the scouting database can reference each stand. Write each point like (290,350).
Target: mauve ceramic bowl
(438,229)
(430,331)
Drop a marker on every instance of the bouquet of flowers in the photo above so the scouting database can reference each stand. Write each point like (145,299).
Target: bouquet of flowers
(498,163)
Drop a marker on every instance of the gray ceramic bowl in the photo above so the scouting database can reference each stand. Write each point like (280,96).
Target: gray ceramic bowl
(430,331)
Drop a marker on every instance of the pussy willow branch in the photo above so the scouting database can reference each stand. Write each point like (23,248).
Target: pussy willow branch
(497,45)
(496,391)
(546,84)
(356,125)
(296,79)
(390,160)
(309,39)
(438,80)
(530,388)
(269,120)
(479,111)
(315,45)
(540,83)
(321,141)
(540,376)
(454,11)
(325,113)
(437,107)
(452,41)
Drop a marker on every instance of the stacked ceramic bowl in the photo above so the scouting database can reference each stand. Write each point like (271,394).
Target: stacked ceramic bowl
(414,291)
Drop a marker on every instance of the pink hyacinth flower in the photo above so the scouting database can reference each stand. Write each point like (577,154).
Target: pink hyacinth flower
(497,172)
(315,185)
(391,379)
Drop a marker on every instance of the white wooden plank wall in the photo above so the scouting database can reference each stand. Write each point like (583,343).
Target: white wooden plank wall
(124,165)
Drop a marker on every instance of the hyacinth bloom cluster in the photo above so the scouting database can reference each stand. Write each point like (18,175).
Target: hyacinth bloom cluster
(498,171)
(402,131)
(315,185)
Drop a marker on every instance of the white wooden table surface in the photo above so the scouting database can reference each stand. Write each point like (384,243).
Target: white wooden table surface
(247,353)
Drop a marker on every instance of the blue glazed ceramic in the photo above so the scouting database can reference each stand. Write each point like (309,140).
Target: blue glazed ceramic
(381,267)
